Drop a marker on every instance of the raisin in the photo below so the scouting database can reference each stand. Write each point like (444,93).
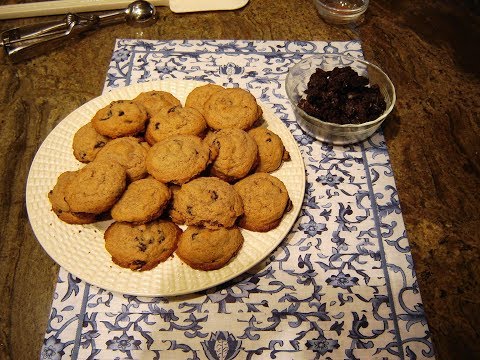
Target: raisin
(342,96)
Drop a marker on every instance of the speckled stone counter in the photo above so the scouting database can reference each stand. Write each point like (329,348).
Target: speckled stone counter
(428,48)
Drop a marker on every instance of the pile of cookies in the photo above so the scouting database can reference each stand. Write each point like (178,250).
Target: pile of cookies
(152,164)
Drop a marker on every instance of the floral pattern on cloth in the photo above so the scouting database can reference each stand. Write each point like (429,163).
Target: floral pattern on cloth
(341,285)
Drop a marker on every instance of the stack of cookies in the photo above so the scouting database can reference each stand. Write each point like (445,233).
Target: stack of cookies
(153,165)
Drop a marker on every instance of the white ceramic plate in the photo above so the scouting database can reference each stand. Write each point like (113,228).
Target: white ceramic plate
(80,248)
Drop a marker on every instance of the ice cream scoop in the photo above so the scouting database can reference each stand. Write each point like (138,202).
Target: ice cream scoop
(25,42)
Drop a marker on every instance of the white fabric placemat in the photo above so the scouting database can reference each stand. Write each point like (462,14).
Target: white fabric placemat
(341,285)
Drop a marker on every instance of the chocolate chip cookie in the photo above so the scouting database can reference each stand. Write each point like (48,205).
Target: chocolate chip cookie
(61,208)
(206,201)
(199,96)
(206,249)
(87,142)
(265,200)
(175,120)
(142,201)
(232,108)
(178,159)
(129,152)
(141,247)
(120,118)
(156,100)
(96,187)
(271,151)
(236,153)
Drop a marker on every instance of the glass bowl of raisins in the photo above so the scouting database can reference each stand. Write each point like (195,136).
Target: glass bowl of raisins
(338,98)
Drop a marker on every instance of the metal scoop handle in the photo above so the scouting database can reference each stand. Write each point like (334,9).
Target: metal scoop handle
(25,42)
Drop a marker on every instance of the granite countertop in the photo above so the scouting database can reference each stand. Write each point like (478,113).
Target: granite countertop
(428,48)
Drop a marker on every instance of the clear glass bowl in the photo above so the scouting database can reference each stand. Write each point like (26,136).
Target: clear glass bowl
(296,84)
(341,11)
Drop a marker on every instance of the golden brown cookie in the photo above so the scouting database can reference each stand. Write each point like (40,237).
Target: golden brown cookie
(87,142)
(206,201)
(199,96)
(141,247)
(236,153)
(173,121)
(231,108)
(265,200)
(142,201)
(129,152)
(61,208)
(206,249)
(178,159)
(271,151)
(95,187)
(155,100)
(120,118)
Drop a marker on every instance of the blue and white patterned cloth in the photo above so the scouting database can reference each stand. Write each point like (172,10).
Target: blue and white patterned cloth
(341,285)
